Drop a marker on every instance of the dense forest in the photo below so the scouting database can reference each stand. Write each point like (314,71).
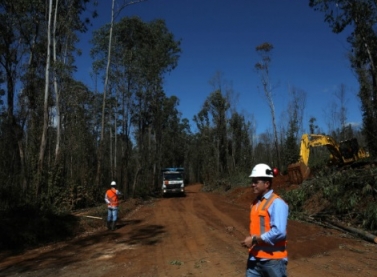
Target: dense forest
(62,144)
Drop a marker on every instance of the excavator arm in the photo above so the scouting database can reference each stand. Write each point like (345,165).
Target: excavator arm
(300,170)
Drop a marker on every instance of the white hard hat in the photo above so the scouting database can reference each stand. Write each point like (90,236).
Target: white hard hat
(113,183)
(262,170)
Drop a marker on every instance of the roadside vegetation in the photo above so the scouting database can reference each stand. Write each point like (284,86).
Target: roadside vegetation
(348,195)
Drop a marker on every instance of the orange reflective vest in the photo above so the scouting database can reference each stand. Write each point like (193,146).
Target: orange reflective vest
(112,196)
(260,224)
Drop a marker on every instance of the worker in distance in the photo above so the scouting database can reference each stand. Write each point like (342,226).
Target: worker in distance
(112,201)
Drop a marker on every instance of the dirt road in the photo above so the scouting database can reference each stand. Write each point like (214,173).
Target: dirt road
(197,235)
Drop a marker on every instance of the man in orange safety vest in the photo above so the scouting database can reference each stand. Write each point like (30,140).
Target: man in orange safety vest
(112,200)
(267,241)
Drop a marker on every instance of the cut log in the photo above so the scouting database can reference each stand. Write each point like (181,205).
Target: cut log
(361,233)
(90,216)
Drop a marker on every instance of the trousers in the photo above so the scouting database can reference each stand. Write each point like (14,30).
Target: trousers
(112,214)
(267,268)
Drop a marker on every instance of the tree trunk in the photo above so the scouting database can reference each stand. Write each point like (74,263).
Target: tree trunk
(270,101)
(42,148)
(101,147)
(57,93)
(275,136)
(135,181)
(361,233)
(112,165)
(115,144)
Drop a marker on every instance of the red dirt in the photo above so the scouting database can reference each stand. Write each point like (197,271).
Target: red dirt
(196,235)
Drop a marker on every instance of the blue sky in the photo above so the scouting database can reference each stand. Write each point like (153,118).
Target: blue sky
(221,36)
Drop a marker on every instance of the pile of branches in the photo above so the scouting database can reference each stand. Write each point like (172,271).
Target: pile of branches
(342,198)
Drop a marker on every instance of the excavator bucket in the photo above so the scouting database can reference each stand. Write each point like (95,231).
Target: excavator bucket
(298,172)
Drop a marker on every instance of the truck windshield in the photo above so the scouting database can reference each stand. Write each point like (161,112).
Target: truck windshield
(172,176)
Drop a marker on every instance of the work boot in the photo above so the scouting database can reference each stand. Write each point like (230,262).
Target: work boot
(113,225)
(109,225)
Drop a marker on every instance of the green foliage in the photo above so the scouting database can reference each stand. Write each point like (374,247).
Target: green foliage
(237,179)
(369,216)
(348,194)
(290,150)
(295,109)
(296,199)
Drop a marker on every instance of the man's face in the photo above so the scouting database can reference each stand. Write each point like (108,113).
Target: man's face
(260,186)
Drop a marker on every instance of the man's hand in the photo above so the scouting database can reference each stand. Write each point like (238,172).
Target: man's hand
(250,241)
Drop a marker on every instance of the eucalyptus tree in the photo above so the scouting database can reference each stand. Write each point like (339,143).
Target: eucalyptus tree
(45,102)
(212,124)
(263,69)
(263,150)
(203,145)
(336,115)
(12,51)
(342,113)
(290,143)
(18,20)
(174,132)
(73,181)
(30,30)
(240,144)
(115,11)
(172,137)
(156,54)
(142,54)
(65,42)
(360,16)
(217,105)
(24,38)
(68,20)
(295,113)
(313,127)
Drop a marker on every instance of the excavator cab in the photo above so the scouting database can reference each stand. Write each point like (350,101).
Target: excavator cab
(349,149)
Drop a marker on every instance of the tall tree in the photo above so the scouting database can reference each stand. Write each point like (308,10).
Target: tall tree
(341,98)
(313,127)
(240,144)
(263,151)
(68,20)
(52,26)
(263,69)
(295,113)
(360,15)
(114,14)
(206,170)
(30,25)
(143,53)
(101,146)
(336,114)
(216,107)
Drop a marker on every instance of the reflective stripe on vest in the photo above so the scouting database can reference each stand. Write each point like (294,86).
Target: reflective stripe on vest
(112,197)
(260,224)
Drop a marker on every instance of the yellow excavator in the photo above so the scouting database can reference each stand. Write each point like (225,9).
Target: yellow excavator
(343,153)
